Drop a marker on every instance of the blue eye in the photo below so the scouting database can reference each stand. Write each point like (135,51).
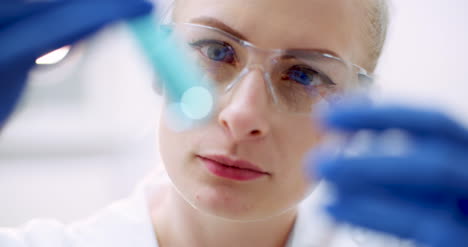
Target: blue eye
(303,75)
(216,50)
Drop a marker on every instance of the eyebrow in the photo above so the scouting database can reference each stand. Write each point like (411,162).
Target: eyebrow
(319,50)
(216,23)
(213,22)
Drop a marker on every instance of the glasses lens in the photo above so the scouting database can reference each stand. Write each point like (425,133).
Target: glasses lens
(219,56)
(302,80)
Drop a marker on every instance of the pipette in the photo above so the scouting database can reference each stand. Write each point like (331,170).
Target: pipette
(184,85)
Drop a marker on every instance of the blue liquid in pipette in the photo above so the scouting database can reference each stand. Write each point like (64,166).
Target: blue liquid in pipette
(182,80)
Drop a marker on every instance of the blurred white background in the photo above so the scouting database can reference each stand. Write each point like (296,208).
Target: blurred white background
(84,134)
(425,59)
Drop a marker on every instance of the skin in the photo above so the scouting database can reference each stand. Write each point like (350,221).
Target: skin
(210,210)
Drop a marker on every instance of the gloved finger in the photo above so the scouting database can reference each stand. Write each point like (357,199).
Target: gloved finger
(11,92)
(11,11)
(417,173)
(420,122)
(436,165)
(65,22)
(433,227)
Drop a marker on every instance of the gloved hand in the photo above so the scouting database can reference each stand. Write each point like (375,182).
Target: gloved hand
(420,194)
(29,29)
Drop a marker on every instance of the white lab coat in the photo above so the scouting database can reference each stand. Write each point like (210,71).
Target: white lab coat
(127,223)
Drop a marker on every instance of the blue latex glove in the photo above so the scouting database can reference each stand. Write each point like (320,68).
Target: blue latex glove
(420,195)
(29,30)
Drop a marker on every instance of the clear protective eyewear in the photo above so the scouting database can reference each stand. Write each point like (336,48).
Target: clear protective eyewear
(296,79)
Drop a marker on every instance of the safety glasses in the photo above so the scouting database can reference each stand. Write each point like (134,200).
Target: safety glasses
(296,80)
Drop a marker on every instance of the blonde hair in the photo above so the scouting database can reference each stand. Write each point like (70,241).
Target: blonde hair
(378,17)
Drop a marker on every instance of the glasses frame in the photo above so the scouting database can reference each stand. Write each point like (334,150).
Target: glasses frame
(364,78)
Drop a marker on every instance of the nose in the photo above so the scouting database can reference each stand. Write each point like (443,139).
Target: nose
(246,116)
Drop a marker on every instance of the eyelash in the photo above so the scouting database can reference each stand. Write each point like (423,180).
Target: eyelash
(324,78)
(202,43)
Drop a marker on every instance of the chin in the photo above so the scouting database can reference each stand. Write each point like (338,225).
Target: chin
(228,202)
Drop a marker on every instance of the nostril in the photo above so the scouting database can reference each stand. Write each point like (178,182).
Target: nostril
(224,123)
(255,132)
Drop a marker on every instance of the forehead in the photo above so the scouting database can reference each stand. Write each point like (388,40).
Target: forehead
(285,24)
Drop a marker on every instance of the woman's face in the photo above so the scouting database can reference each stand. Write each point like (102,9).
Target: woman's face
(211,165)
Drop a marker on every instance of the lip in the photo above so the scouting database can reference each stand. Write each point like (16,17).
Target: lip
(240,170)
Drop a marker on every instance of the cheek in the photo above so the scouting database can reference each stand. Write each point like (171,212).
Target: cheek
(296,143)
(173,145)
(177,148)
(299,137)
